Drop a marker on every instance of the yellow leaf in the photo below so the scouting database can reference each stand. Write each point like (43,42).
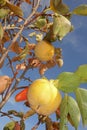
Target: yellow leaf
(80,10)
(17,10)
(1,31)
(59,7)
(4,12)
(2,3)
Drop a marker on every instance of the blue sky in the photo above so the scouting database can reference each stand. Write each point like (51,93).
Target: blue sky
(74,47)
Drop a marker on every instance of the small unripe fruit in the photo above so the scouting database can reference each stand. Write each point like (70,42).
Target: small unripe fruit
(43,97)
(44,51)
(4,83)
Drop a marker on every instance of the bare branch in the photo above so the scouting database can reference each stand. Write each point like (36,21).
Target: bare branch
(3,102)
(20,31)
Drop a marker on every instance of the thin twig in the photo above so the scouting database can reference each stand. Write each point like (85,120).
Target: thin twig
(20,31)
(36,126)
(13,88)
(5,114)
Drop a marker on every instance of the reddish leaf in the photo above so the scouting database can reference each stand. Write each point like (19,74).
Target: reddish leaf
(16,48)
(5,38)
(44,67)
(34,62)
(17,126)
(28,1)
(21,96)
(31,46)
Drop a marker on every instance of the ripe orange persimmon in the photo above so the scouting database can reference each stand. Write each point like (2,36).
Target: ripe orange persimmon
(44,50)
(22,95)
(43,97)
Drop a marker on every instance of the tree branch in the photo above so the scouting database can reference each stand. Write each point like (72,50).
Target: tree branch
(20,31)
(3,102)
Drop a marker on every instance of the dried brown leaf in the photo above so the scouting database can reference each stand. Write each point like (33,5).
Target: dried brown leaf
(16,48)
(22,55)
(34,62)
(27,104)
(46,66)
(49,124)
(42,69)
(31,46)
(21,66)
(17,126)
(28,1)
(55,125)
(16,58)
(5,38)
(50,64)
(59,62)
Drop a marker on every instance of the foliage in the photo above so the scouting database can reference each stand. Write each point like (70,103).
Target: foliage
(17,52)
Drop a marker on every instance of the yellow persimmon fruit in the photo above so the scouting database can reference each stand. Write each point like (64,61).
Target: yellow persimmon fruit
(43,97)
(4,83)
(44,51)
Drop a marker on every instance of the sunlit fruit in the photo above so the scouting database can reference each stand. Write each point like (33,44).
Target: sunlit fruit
(43,97)
(4,83)
(44,51)
(22,95)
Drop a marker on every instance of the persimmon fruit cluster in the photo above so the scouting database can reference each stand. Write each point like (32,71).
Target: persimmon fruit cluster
(43,97)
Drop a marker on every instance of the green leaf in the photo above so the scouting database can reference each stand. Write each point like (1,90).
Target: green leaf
(2,2)
(81,97)
(40,22)
(61,26)
(1,31)
(50,36)
(68,82)
(63,113)
(80,10)
(17,10)
(9,126)
(59,7)
(73,111)
(82,73)
(4,12)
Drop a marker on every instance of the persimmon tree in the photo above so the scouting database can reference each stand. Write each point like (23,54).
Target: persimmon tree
(43,97)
